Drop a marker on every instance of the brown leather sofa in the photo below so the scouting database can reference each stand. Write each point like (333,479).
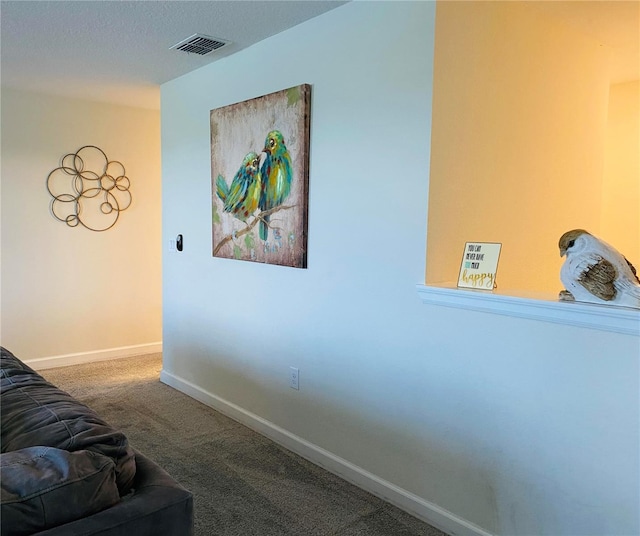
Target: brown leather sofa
(64,471)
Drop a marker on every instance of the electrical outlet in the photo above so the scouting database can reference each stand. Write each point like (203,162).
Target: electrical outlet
(294,377)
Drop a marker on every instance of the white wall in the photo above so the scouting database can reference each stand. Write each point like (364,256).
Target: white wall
(68,291)
(475,421)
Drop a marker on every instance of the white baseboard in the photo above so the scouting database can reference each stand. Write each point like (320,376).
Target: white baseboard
(405,500)
(42,363)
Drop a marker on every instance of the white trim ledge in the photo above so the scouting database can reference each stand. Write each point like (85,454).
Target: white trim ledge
(42,363)
(417,506)
(623,320)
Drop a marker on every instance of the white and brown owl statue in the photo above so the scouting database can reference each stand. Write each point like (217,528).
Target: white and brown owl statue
(596,272)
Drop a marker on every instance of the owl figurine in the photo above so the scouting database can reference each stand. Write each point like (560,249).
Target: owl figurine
(596,272)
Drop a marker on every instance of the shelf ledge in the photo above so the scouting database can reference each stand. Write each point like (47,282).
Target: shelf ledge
(544,308)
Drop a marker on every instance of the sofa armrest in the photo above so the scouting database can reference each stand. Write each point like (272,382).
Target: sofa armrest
(45,487)
(158,505)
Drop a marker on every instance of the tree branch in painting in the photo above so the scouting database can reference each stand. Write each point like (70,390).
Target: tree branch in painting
(258,218)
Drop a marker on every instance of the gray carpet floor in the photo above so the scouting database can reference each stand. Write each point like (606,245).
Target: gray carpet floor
(243,483)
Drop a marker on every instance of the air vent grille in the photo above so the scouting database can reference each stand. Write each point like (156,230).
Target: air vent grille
(200,44)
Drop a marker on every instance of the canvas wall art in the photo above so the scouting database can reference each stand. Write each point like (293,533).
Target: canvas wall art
(260,177)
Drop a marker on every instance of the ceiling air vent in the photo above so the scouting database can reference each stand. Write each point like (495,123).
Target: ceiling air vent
(200,44)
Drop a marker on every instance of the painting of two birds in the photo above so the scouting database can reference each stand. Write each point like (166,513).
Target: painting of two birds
(260,178)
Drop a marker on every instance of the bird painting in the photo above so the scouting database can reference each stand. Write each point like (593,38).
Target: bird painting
(276,177)
(242,198)
(596,272)
(260,178)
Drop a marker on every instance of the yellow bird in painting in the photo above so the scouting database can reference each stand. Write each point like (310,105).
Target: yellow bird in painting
(243,196)
(276,177)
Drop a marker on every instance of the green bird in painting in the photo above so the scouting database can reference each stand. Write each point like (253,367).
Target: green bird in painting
(242,197)
(276,177)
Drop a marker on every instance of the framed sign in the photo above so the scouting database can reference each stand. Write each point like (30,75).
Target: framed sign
(479,265)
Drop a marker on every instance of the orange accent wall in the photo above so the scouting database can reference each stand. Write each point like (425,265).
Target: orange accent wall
(621,186)
(518,137)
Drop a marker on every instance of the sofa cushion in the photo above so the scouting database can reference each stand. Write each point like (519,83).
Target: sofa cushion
(43,487)
(36,413)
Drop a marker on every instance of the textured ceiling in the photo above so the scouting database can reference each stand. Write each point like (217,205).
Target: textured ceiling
(119,51)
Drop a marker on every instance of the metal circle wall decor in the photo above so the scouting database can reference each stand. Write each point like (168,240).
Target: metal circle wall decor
(88,189)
